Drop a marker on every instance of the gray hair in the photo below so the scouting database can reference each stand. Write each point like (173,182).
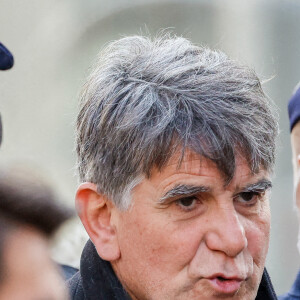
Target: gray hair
(147,99)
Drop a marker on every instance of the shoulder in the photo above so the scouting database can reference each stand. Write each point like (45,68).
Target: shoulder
(68,271)
(75,287)
(294,292)
(289,296)
(266,290)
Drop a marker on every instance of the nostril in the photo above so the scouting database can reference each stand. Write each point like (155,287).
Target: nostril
(231,242)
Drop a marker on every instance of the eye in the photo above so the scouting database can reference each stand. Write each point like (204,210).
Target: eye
(187,203)
(249,197)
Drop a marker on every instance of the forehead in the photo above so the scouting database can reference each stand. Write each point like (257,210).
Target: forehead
(196,166)
(30,241)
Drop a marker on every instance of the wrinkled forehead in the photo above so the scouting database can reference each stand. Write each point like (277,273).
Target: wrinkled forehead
(193,163)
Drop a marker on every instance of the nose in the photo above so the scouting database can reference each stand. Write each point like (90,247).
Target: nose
(226,232)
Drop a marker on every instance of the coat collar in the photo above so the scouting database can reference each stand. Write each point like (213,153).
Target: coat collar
(99,280)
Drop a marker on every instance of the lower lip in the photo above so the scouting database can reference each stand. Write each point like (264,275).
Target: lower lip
(230,286)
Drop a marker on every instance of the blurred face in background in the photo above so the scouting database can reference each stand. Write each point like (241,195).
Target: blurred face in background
(27,271)
(295,140)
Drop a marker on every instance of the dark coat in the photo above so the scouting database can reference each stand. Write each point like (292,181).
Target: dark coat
(96,280)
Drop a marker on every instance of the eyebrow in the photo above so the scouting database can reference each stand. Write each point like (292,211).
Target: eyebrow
(183,190)
(259,186)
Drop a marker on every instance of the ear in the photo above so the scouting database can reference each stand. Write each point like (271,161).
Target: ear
(94,211)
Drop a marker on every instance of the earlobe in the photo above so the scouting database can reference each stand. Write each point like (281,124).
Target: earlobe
(95,210)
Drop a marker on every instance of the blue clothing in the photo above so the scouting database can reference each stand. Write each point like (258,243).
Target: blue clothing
(294,109)
(6,58)
(68,271)
(294,293)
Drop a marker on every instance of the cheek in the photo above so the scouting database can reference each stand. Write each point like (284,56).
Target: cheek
(158,241)
(258,234)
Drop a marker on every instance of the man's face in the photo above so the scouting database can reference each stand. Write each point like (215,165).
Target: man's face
(188,236)
(295,139)
(28,272)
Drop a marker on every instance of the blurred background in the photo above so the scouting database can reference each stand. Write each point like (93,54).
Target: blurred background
(54,43)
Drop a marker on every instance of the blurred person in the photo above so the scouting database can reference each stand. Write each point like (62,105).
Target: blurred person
(6,58)
(28,218)
(6,63)
(175,146)
(294,116)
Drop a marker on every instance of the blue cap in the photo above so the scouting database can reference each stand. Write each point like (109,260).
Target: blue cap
(294,108)
(6,58)
(6,62)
